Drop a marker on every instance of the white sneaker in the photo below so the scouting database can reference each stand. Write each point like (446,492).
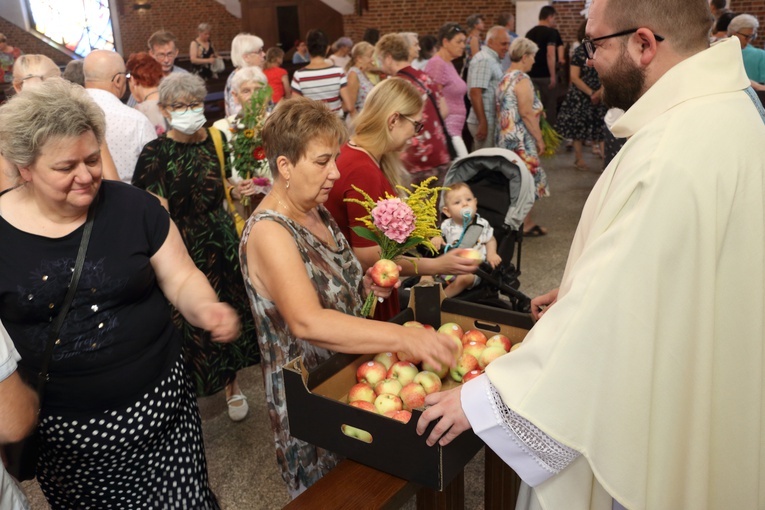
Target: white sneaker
(237,407)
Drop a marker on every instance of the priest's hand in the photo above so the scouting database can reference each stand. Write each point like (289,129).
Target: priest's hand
(447,406)
(540,304)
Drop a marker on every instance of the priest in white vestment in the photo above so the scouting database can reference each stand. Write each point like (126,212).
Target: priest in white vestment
(642,385)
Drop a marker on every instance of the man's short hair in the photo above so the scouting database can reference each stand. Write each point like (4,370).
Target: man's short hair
(741,22)
(317,43)
(162,37)
(495,32)
(504,19)
(719,4)
(547,11)
(685,24)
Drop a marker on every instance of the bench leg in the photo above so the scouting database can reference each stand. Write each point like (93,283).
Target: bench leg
(502,483)
(452,497)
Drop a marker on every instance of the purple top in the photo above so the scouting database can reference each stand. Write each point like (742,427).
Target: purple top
(453,88)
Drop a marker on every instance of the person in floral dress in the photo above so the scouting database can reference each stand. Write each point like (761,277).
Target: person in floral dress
(518,112)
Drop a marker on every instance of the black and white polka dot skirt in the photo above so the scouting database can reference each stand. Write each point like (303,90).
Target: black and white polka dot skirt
(148,455)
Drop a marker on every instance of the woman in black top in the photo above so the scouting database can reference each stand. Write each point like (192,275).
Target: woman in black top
(119,423)
(201,53)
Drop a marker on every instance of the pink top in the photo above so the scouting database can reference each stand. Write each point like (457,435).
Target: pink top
(453,89)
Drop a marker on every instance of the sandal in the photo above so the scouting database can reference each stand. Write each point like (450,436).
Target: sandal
(535,231)
(581,165)
(237,407)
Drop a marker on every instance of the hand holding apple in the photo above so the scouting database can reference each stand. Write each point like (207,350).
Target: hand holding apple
(424,344)
(384,273)
(452,262)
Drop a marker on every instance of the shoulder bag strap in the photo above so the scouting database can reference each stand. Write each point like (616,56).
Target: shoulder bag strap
(449,143)
(56,328)
(218,142)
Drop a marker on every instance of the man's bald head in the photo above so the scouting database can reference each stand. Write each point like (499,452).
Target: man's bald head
(102,65)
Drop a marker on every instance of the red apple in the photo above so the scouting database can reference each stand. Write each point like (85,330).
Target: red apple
(413,324)
(465,364)
(371,372)
(500,341)
(384,273)
(430,368)
(473,335)
(387,402)
(428,327)
(361,391)
(413,396)
(404,371)
(474,349)
(403,416)
(361,435)
(362,404)
(392,386)
(470,253)
(471,375)
(490,354)
(429,381)
(451,328)
(386,358)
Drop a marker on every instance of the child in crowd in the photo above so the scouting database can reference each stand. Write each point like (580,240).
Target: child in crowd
(460,206)
(277,75)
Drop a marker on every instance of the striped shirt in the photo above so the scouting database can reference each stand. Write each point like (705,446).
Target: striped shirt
(321,85)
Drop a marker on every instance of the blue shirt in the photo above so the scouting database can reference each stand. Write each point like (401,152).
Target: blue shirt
(754,63)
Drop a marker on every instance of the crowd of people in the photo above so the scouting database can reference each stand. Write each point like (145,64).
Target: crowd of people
(186,272)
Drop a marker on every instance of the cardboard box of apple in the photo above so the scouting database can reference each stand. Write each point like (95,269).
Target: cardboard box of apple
(366,407)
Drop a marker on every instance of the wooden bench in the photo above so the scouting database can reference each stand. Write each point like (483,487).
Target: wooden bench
(354,486)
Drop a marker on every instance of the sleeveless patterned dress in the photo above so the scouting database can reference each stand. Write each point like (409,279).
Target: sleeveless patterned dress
(337,277)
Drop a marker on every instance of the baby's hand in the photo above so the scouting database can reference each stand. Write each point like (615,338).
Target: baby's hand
(493,259)
(438,242)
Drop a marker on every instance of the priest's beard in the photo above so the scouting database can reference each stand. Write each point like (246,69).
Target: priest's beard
(623,84)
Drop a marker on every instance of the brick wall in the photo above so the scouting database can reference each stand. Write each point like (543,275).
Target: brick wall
(181,17)
(424,16)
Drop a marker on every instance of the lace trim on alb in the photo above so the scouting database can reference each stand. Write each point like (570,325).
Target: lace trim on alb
(551,455)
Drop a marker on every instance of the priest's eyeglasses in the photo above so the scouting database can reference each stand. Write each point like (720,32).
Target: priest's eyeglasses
(589,44)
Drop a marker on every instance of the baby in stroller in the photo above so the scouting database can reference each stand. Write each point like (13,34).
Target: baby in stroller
(460,208)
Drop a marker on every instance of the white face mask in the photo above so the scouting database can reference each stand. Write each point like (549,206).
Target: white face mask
(188,122)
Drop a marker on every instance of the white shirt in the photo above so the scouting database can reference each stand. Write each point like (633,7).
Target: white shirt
(650,364)
(127,131)
(11,495)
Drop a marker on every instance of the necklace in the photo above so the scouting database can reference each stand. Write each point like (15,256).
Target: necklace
(147,96)
(323,238)
(362,149)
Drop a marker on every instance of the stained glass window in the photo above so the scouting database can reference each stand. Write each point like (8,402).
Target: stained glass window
(80,25)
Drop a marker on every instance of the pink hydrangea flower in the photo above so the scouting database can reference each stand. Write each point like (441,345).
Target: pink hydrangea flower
(394,218)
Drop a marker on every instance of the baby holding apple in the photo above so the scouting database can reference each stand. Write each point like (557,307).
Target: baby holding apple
(460,205)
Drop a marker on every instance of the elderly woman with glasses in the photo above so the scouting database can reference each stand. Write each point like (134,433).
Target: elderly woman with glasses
(518,112)
(118,425)
(744,27)
(182,167)
(371,161)
(305,285)
(246,50)
(451,40)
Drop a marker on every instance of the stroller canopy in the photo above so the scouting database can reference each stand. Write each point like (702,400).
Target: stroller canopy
(520,182)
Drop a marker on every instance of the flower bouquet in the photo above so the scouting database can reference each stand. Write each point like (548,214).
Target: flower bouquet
(551,138)
(247,145)
(398,226)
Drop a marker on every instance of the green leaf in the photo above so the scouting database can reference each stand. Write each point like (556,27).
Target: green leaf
(412,241)
(366,234)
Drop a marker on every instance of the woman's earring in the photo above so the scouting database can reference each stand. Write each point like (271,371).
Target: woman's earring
(288,185)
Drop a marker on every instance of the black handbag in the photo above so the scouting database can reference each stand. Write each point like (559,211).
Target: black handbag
(21,457)
(449,144)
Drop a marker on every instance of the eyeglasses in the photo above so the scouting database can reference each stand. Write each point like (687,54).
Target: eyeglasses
(163,56)
(589,46)
(183,107)
(748,37)
(30,76)
(454,30)
(418,126)
(127,75)
(259,52)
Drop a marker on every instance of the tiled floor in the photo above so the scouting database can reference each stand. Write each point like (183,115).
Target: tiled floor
(241,457)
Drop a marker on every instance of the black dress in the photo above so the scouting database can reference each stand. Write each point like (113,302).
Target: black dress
(188,176)
(203,70)
(119,420)
(578,118)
